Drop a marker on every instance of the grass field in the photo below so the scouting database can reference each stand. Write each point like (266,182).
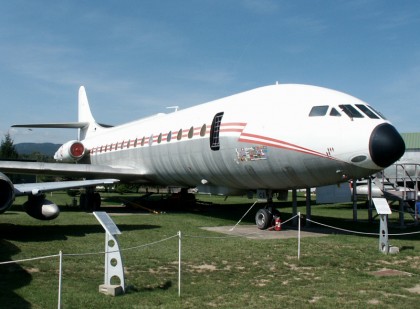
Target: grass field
(217,272)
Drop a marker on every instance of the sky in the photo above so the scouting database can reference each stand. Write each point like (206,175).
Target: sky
(138,57)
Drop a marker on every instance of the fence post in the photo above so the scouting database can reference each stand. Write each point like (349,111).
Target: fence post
(60,271)
(299,235)
(179,263)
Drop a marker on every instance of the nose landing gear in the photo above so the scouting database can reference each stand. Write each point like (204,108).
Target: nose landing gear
(264,218)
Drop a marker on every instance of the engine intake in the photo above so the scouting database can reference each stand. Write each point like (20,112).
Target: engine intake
(7,193)
(71,151)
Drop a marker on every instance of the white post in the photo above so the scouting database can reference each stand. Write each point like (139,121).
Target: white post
(179,263)
(299,235)
(60,279)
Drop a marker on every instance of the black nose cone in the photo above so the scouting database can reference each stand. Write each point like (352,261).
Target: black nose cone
(386,145)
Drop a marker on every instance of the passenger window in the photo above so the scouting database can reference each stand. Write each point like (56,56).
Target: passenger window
(335,112)
(169,136)
(318,111)
(203,130)
(351,111)
(367,111)
(179,135)
(215,130)
(191,132)
(143,140)
(159,138)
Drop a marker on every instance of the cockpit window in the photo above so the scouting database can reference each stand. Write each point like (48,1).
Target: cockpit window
(367,111)
(334,112)
(378,113)
(351,111)
(318,111)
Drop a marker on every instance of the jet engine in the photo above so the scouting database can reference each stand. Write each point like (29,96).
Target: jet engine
(71,151)
(7,193)
(36,206)
(40,208)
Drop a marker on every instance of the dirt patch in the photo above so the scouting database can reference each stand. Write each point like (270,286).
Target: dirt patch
(252,232)
(204,268)
(389,272)
(415,289)
(31,270)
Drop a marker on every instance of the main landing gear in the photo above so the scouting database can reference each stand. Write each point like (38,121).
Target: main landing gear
(91,200)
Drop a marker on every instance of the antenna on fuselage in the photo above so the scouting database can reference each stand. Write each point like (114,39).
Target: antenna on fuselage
(176,107)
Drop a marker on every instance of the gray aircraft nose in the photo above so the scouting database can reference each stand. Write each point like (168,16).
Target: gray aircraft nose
(386,145)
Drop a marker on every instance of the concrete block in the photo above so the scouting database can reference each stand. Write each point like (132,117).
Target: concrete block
(109,289)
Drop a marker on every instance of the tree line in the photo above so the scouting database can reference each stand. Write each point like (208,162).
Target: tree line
(8,152)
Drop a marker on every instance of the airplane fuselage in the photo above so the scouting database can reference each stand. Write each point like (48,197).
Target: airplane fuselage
(274,137)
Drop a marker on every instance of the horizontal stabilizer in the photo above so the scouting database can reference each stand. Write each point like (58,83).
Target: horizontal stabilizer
(59,125)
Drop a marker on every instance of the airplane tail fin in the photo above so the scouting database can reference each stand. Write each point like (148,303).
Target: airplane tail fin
(85,116)
(86,123)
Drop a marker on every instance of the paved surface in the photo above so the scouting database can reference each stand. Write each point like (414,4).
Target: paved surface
(252,232)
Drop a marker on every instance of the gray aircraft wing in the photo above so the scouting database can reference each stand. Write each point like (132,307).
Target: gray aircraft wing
(73,170)
(42,187)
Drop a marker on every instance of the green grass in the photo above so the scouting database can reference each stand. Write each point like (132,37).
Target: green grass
(333,271)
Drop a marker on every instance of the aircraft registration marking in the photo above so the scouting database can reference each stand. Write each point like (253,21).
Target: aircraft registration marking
(253,153)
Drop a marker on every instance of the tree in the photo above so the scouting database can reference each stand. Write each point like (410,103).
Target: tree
(7,148)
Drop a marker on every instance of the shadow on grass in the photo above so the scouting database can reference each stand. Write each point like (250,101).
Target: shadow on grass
(13,277)
(41,233)
(150,288)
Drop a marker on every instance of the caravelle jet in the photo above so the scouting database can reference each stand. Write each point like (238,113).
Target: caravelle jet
(273,138)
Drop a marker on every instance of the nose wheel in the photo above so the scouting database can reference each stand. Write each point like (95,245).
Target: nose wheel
(264,217)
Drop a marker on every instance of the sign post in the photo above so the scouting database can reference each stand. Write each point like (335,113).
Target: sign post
(114,270)
(383,210)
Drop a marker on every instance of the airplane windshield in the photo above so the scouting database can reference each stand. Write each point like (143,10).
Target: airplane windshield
(351,111)
(367,111)
(378,113)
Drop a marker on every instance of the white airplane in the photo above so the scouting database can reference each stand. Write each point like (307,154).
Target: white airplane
(272,138)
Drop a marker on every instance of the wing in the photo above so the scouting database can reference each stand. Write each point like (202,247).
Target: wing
(42,187)
(37,206)
(74,170)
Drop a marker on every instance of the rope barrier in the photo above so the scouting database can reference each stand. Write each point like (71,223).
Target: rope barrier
(30,259)
(357,232)
(244,215)
(89,253)
(220,237)
(124,249)
(283,222)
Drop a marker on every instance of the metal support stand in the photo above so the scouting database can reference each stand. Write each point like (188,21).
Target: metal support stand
(383,237)
(354,184)
(370,200)
(308,207)
(294,205)
(401,214)
(114,281)
(383,210)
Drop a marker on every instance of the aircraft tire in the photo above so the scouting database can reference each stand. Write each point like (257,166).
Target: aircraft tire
(263,218)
